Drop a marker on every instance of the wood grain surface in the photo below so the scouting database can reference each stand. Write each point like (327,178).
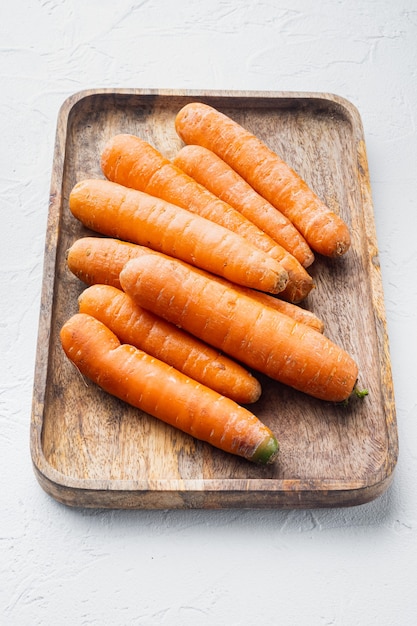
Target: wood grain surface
(91,450)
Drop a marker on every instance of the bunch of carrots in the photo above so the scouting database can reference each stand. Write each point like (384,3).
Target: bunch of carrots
(195,277)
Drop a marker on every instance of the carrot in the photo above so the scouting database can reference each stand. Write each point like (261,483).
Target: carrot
(267,173)
(114,210)
(218,177)
(255,335)
(133,162)
(161,339)
(100,260)
(161,391)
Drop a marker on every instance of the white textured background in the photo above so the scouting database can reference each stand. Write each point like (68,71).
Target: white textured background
(61,566)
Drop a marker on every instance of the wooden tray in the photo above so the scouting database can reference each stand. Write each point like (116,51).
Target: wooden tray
(91,450)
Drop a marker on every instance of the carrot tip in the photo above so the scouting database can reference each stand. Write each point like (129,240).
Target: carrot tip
(340,250)
(358,393)
(267,451)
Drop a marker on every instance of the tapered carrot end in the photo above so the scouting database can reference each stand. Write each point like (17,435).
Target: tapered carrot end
(267,451)
(335,241)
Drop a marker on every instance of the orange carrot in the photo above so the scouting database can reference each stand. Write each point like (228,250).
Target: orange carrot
(218,177)
(161,391)
(161,339)
(267,173)
(100,260)
(255,335)
(114,210)
(133,162)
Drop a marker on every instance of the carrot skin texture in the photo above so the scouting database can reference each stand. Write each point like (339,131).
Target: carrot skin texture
(293,311)
(267,173)
(114,210)
(164,341)
(218,177)
(99,260)
(135,163)
(255,335)
(161,391)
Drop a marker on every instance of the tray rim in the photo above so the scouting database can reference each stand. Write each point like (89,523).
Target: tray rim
(272,493)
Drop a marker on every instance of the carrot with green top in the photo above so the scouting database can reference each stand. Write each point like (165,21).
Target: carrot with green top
(267,173)
(114,210)
(100,260)
(163,392)
(257,336)
(217,176)
(161,339)
(133,162)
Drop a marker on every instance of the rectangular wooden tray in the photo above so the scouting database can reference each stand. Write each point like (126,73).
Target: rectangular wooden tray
(90,450)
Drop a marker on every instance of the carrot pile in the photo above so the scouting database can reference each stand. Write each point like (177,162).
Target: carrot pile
(194,279)
(133,162)
(267,173)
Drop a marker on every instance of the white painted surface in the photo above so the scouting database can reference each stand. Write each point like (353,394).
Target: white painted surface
(323,567)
